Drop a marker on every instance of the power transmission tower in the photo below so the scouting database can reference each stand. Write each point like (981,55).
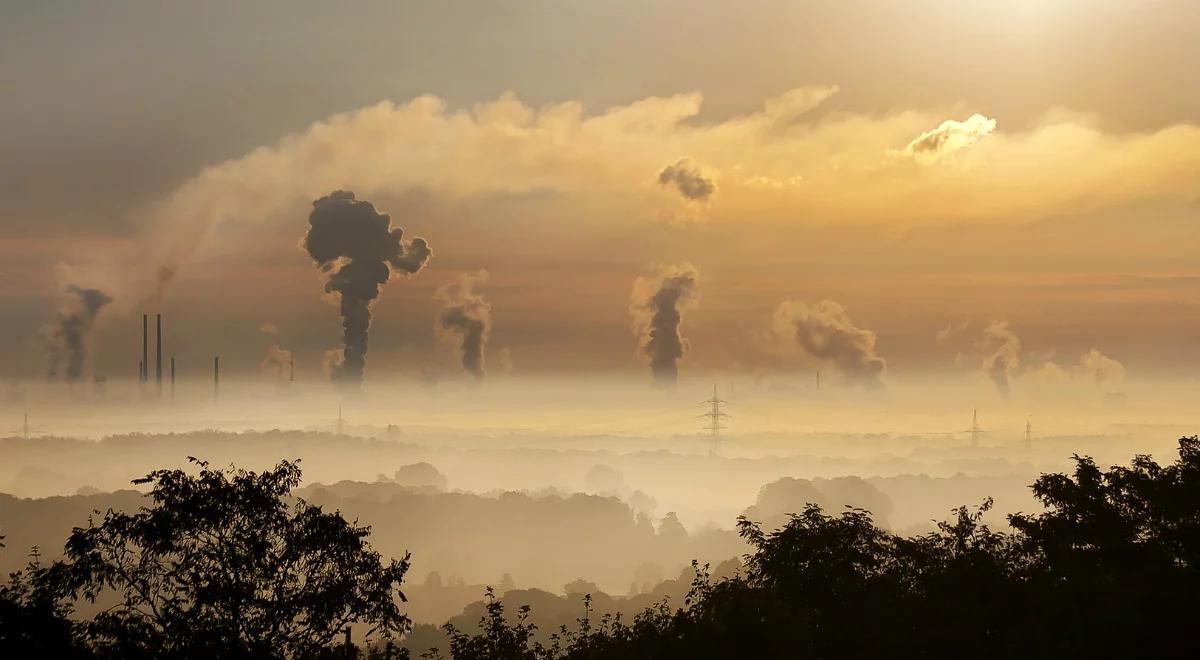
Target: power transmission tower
(974,430)
(339,421)
(714,416)
(1028,434)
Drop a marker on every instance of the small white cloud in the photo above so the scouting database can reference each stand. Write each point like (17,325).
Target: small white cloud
(949,137)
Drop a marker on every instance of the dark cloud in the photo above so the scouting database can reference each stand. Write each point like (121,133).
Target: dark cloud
(358,250)
(657,305)
(68,339)
(688,180)
(826,332)
(469,315)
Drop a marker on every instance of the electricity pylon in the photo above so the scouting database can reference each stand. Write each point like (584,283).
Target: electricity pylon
(974,430)
(714,416)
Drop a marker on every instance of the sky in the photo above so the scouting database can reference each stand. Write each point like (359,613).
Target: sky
(1007,191)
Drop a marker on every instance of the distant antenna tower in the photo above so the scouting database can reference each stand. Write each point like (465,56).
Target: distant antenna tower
(818,380)
(974,430)
(714,417)
(339,421)
(1028,434)
(291,370)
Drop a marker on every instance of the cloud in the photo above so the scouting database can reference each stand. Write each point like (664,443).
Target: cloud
(595,163)
(657,305)
(688,180)
(825,332)
(268,328)
(1002,354)
(951,136)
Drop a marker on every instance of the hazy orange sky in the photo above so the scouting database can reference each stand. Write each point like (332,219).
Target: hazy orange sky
(999,187)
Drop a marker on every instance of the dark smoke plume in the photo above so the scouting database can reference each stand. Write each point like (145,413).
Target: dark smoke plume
(468,314)
(826,332)
(657,305)
(358,250)
(688,180)
(1002,354)
(69,338)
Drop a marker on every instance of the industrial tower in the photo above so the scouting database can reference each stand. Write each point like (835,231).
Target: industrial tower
(714,417)
(974,430)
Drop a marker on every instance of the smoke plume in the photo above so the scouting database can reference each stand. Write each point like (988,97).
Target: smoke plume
(358,250)
(657,305)
(68,339)
(688,180)
(1002,354)
(276,360)
(826,332)
(468,314)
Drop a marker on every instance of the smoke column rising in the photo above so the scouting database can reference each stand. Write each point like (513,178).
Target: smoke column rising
(468,314)
(826,332)
(358,250)
(69,338)
(657,305)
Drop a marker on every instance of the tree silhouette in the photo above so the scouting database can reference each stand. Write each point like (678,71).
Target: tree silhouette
(222,565)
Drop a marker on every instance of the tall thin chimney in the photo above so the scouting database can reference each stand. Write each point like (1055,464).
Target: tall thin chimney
(158,353)
(291,370)
(145,354)
(172,377)
(216,377)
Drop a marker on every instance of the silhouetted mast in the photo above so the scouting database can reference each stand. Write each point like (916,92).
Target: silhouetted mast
(158,355)
(339,421)
(216,377)
(145,355)
(974,430)
(714,417)
(1028,434)
(172,377)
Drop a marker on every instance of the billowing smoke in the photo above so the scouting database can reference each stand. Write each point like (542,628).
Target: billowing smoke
(688,180)
(826,332)
(657,305)
(466,313)
(276,360)
(358,250)
(68,339)
(1100,368)
(1002,354)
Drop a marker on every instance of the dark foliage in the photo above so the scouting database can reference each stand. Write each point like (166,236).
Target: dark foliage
(222,564)
(1109,570)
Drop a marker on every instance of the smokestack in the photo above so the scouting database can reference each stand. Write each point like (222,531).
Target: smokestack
(145,354)
(216,377)
(158,353)
(291,370)
(172,378)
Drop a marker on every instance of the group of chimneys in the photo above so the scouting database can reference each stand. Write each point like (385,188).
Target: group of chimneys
(144,363)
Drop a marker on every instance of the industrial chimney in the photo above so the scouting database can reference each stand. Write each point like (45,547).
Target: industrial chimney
(158,354)
(216,377)
(145,354)
(172,378)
